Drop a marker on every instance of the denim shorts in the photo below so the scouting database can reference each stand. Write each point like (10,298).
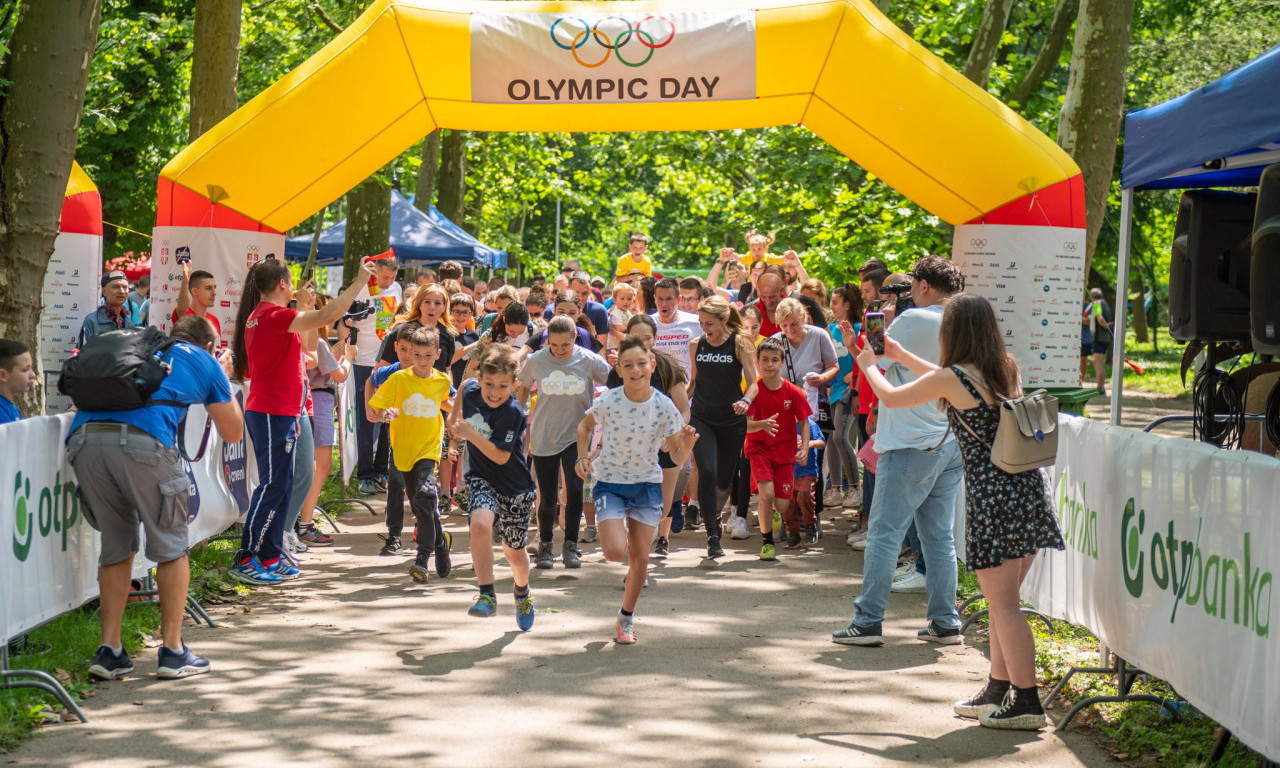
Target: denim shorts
(641,502)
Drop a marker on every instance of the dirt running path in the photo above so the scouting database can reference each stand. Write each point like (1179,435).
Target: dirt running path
(354,665)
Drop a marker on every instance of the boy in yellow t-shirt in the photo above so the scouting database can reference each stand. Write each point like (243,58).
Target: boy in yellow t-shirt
(414,402)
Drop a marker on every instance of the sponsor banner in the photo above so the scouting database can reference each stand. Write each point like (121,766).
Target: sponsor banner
(1034,279)
(49,555)
(70,294)
(1172,547)
(227,254)
(346,407)
(612,58)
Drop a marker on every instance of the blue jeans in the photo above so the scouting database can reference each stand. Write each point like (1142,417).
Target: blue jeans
(917,484)
(304,468)
(373,441)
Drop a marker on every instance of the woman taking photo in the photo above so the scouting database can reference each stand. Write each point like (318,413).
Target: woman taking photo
(842,458)
(1009,517)
(267,349)
(722,359)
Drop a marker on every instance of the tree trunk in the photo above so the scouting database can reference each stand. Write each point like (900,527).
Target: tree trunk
(1139,291)
(48,68)
(452,184)
(1064,15)
(425,193)
(215,63)
(1094,103)
(478,151)
(368,225)
(986,41)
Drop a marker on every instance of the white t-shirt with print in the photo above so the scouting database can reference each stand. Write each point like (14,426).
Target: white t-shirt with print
(631,434)
(674,337)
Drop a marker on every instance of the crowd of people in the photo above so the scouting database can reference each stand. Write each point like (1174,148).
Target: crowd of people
(621,410)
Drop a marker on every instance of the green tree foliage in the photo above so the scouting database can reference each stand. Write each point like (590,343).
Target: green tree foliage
(693,192)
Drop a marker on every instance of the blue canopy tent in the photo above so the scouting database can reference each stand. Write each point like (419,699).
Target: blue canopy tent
(417,238)
(1223,134)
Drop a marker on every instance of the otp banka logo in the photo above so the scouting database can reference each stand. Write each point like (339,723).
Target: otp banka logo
(57,510)
(632,45)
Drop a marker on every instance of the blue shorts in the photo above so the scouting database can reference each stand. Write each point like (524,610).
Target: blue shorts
(641,502)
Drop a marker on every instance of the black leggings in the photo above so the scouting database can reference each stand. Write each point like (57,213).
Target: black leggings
(547,469)
(716,457)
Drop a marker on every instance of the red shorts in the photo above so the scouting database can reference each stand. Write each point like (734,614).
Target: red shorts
(765,468)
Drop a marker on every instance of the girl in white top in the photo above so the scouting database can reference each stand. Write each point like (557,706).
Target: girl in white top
(636,421)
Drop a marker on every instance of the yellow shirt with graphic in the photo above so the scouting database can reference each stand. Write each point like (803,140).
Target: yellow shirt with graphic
(626,264)
(416,433)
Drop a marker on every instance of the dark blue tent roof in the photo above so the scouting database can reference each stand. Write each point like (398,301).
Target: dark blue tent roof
(417,238)
(1220,135)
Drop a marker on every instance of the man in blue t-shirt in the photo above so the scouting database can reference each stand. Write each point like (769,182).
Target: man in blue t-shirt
(129,471)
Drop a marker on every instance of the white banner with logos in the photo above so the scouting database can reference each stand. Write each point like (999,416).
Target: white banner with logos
(70,294)
(1171,550)
(49,563)
(227,254)
(610,58)
(1034,279)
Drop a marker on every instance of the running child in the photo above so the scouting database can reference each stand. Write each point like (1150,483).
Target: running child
(636,422)
(771,444)
(499,486)
(411,402)
(802,506)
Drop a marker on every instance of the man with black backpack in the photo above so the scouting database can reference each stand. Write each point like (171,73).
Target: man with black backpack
(133,388)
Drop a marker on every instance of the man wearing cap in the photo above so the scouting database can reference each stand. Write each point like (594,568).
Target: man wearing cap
(634,258)
(112,314)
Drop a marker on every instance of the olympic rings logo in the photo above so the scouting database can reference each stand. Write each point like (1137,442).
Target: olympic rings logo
(593,32)
(1070,246)
(978,242)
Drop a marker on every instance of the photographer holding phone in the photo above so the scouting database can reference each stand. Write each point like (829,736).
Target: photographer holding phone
(919,470)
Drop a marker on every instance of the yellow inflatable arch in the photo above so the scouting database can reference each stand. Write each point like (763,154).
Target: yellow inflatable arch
(407,67)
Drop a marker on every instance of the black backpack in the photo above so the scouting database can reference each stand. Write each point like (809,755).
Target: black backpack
(118,371)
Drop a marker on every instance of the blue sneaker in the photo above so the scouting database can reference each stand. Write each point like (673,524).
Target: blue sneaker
(106,665)
(367,487)
(677,518)
(486,607)
(284,569)
(254,573)
(174,666)
(856,635)
(524,611)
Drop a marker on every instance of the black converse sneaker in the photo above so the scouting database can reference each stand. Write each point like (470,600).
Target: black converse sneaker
(1021,711)
(987,700)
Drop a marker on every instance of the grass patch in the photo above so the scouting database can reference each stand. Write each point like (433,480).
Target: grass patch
(64,646)
(1161,367)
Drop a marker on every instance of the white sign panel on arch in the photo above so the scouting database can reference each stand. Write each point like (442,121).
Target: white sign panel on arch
(612,58)
(1034,279)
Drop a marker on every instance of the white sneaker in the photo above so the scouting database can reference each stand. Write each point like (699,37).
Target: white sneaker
(912,582)
(853,499)
(859,542)
(852,537)
(832,498)
(292,543)
(903,570)
(738,528)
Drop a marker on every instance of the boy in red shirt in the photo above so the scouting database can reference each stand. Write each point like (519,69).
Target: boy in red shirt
(771,439)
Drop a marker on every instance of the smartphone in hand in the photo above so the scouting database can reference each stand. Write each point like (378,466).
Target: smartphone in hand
(875,331)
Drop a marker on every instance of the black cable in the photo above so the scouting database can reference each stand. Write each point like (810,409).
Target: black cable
(1271,416)
(1213,395)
